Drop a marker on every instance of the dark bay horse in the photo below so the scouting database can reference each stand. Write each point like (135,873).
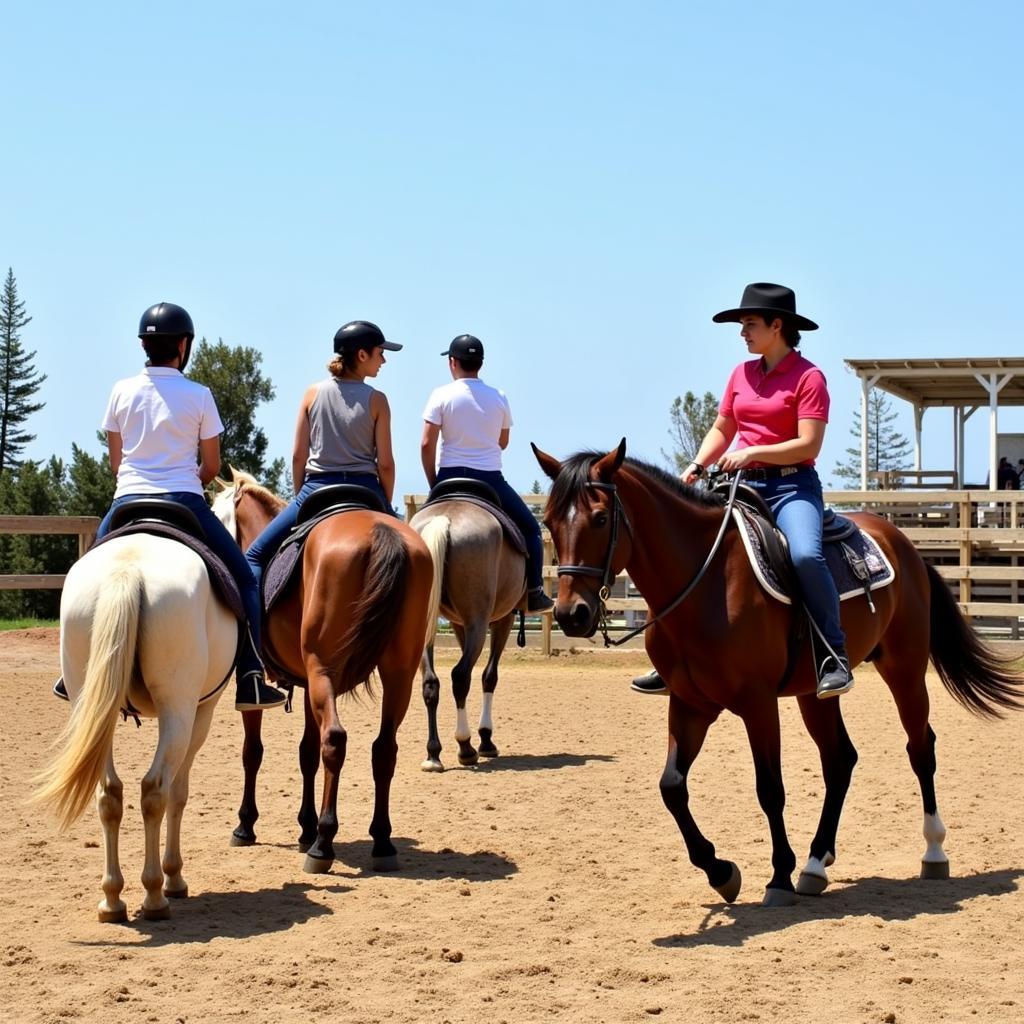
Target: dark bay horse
(725,646)
(479,582)
(360,605)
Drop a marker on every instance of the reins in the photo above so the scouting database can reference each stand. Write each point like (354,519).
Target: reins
(607,575)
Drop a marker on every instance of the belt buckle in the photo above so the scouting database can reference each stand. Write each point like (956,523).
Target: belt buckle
(788,470)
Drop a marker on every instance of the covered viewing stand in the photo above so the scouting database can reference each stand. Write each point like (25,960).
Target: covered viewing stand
(963,385)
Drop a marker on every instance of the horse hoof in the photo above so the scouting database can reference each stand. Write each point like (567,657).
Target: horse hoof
(317,865)
(303,846)
(117,914)
(431,766)
(237,840)
(157,913)
(935,869)
(811,885)
(176,894)
(389,863)
(466,760)
(731,889)
(491,751)
(778,898)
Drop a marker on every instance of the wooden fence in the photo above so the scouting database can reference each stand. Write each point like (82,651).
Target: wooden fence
(83,526)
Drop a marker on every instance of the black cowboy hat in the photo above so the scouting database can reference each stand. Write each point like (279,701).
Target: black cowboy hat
(769,301)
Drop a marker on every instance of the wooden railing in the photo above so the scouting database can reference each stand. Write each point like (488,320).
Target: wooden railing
(83,526)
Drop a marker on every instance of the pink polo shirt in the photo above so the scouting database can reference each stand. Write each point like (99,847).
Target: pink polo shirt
(766,406)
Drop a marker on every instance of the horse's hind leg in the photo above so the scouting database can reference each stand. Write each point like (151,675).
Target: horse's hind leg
(333,746)
(252,758)
(309,761)
(472,637)
(174,885)
(499,637)
(110,804)
(824,722)
(431,698)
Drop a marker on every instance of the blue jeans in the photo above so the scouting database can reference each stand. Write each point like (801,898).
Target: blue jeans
(224,547)
(518,511)
(265,546)
(798,507)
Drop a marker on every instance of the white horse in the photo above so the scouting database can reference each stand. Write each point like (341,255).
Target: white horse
(140,623)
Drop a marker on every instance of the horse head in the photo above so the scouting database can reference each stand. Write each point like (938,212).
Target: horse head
(244,506)
(588,527)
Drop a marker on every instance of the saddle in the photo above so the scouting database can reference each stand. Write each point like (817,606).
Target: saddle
(481,494)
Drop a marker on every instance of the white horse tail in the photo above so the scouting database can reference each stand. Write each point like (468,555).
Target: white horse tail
(69,783)
(435,536)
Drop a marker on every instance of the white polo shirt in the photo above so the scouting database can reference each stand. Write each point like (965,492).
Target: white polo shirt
(161,416)
(471,415)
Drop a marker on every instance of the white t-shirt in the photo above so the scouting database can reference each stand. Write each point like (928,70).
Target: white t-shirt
(471,415)
(161,417)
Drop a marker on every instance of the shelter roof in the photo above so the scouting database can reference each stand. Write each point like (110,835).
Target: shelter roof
(944,382)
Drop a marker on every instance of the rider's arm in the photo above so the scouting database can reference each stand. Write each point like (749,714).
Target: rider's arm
(300,448)
(428,450)
(382,438)
(503,438)
(114,447)
(715,442)
(209,458)
(806,445)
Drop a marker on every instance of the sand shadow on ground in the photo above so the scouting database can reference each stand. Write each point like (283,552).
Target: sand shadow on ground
(478,865)
(888,899)
(534,762)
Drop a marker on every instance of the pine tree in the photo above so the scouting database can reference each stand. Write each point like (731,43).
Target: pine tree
(691,418)
(887,448)
(18,379)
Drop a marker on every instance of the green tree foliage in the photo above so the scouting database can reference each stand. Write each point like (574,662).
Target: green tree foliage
(887,448)
(238,386)
(18,380)
(690,419)
(89,489)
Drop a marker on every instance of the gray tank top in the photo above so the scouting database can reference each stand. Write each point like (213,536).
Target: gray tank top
(341,428)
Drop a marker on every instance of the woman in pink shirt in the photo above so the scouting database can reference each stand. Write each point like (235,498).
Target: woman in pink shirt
(775,408)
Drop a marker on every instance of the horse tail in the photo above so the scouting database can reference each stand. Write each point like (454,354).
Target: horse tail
(974,675)
(373,618)
(69,782)
(435,535)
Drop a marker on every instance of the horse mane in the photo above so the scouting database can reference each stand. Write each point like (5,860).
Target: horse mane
(574,477)
(263,496)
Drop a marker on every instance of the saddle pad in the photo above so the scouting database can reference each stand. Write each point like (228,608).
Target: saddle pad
(220,576)
(861,548)
(512,532)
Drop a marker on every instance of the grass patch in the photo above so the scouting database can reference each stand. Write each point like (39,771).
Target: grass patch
(6,624)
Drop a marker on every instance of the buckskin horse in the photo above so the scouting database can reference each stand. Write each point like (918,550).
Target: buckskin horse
(359,604)
(140,627)
(479,582)
(720,642)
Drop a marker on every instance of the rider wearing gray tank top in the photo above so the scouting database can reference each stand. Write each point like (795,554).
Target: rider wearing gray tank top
(343,404)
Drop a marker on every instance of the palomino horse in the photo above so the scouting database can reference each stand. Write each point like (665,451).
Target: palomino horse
(139,623)
(361,603)
(479,581)
(725,645)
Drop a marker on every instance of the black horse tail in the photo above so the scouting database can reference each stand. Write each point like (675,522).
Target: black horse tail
(376,613)
(976,677)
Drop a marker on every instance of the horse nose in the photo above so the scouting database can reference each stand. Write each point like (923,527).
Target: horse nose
(576,620)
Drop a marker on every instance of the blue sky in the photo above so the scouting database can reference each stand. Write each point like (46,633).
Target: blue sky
(581,185)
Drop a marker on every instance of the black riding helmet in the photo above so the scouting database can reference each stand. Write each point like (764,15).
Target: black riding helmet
(165,319)
(357,334)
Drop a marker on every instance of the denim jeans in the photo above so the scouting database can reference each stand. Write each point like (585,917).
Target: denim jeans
(798,507)
(518,511)
(226,548)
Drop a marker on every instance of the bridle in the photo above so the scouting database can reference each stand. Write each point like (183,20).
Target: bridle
(606,574)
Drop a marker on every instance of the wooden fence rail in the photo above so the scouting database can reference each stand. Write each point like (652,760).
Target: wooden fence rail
(84,527)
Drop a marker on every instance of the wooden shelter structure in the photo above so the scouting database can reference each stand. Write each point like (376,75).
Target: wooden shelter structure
(964,385)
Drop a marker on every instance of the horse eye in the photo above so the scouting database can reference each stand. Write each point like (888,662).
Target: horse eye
(601,519)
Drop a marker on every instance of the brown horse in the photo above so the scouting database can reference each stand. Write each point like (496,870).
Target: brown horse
(361,603)
(726,645)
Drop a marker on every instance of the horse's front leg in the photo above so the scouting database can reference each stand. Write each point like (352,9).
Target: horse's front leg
(309,762)
(499,637)
(761,720)
(687,727)
(333,744)
(472,637)
(110,804)
(252,759)
(431,698)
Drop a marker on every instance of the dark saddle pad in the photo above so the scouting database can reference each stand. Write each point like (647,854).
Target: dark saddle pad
(482,495)
(320,505)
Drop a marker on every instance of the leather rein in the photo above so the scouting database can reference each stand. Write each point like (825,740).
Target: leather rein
(606,574)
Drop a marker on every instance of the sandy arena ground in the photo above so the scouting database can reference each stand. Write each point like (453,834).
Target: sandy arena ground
(549,885)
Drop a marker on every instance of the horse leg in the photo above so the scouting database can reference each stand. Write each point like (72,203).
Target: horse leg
(687,727)
(309,761)
(252,758)
(174,885)
(431,698)
(110,804)
(472,638)
(499,637)
(396,684)
(333,744)
(761,721)
(824,722)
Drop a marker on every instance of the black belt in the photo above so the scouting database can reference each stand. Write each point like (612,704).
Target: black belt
(771,472)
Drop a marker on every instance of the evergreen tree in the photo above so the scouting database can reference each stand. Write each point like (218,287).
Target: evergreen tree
(18,380)
(691,418)
(90,484)
(887,448)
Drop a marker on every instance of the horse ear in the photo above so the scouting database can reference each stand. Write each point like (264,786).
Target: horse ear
(551,466)
(218,485)
(607,466)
